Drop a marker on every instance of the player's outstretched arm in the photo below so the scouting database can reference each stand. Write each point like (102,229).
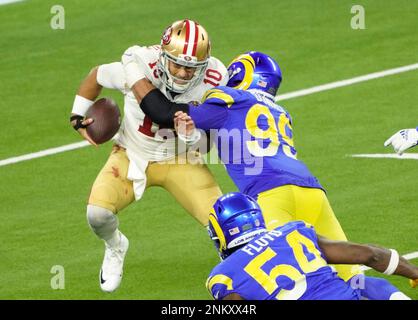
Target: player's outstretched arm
(88,91)
(403,140)
(386,261)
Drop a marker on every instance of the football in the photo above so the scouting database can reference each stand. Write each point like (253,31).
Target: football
(106,115)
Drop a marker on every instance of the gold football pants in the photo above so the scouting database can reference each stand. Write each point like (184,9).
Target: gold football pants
(192,185)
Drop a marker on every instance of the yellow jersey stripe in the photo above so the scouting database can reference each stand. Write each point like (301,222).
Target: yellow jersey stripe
(219,94)
(219,278)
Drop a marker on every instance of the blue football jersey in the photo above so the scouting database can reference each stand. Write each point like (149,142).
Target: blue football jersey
(284,264)
(254,139)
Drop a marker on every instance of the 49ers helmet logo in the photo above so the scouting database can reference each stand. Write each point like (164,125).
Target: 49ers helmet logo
(167,36)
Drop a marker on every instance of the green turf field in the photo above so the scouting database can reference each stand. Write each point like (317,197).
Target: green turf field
(43,201)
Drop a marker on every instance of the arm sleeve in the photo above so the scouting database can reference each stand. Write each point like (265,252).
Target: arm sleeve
(111,76)
(161,110)
(207,117)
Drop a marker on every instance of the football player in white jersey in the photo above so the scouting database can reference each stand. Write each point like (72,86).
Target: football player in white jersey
(144,154)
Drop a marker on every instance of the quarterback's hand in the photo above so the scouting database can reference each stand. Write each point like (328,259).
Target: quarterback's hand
(186,128)
(402,140)
(183,123)
(83,131)
(413,283)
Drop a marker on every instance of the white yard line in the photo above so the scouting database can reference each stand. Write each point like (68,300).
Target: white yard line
(285,96)
(3,2)
(44,153)
(347,82)
(405,156)
(409,256)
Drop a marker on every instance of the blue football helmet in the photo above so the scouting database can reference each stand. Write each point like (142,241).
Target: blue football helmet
(235,219)
(255,70)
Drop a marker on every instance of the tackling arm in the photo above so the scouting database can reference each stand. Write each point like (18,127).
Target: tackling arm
(380,259)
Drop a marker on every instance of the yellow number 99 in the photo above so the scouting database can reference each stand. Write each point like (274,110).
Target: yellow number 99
(271,133)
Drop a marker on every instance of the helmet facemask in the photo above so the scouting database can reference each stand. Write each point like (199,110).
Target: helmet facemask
(216,242)
(171,81)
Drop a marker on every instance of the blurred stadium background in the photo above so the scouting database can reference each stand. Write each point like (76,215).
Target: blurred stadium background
(43,200)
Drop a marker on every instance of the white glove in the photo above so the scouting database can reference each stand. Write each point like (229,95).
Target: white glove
(133,67)
(403,139)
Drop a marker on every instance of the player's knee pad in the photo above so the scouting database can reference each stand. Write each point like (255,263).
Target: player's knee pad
(102,221)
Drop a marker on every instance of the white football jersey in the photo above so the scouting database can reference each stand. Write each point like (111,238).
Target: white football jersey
(138,133)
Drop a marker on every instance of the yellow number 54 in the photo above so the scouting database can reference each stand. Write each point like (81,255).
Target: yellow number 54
(268,281)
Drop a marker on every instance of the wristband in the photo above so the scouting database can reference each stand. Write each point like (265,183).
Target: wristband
(81,105)
(393,262)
